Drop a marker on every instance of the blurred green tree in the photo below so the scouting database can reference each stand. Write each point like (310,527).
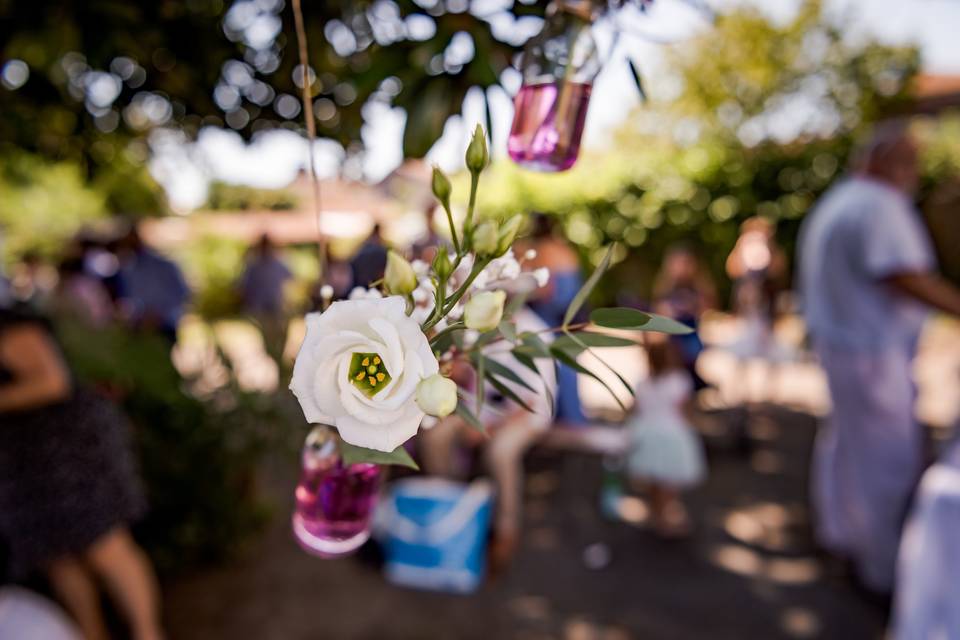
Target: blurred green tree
(761,122)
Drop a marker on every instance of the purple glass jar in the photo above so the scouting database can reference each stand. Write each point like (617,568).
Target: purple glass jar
(558,66)
(334,501)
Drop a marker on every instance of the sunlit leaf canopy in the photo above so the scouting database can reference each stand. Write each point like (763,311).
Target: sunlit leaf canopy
(101,71)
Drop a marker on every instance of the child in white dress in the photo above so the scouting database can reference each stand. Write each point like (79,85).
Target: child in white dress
(665,452)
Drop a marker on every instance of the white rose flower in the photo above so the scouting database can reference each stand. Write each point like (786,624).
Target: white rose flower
(358,370)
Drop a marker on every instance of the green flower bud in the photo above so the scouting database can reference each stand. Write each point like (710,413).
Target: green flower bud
(441,263)
(441,186)
(477,151)
(399,276)
(508,233)
(486,239)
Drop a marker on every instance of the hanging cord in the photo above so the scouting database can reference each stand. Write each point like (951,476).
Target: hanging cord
(311,132)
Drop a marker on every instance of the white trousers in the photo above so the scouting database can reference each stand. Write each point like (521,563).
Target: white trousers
(867,459)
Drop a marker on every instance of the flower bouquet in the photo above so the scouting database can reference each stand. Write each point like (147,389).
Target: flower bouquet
(378,366)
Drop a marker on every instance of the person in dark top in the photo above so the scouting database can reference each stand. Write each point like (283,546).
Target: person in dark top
(68,486)
(370,261)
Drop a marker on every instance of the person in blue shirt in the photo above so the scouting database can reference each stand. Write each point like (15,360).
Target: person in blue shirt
(152,288)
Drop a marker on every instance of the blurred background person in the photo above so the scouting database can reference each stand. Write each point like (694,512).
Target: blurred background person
(757,266)
(152,287)
(551,302)
(368,264)
(666,455)
(867,277)
(80,295)
(262,288)
(33,280)
(684,290)
(68,488)
(510,432)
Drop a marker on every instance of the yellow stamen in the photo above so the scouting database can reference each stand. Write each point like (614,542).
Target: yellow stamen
(372,381)
(380,377)
(371,369)
(376,359)
(359,376)
(365,361)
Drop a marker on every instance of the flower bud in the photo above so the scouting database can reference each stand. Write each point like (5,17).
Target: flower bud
(484,310)
(486,240)
(542,276)
(437,396)
(508,233)
(441,186)
(441,264)
(399,276)
(477,156)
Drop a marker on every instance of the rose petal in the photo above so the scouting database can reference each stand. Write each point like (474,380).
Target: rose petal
(383,437)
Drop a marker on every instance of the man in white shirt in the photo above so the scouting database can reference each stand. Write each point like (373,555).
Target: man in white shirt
(867,277)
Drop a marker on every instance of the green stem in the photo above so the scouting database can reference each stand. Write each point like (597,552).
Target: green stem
(453,227)
(455,298)
(456,326)
(474,181)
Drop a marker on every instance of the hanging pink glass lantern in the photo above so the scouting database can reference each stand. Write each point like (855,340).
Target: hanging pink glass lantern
(558,67)
(335,501)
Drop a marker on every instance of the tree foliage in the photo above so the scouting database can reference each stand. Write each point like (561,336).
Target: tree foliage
(101,72)
(762,123)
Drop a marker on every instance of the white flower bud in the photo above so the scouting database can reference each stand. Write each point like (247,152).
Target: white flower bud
(530,254)
(484,310)
(437,396)
(326,292)
(508,233)
(542,276)
(399,276)
(485,238)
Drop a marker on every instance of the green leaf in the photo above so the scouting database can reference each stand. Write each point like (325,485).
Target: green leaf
(571,362)
(507,391)
(525,360)
(534,346)
(575,343)
(529,363)
(587,287)
(575,338)
(508,330)
(468,417)
(496,368)
(624,318)
(637,80)
(353,454)
(478,365)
